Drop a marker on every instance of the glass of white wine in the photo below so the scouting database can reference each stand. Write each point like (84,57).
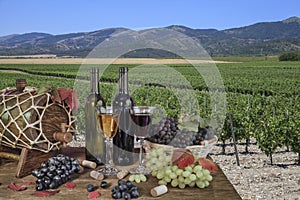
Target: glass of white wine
(108,125)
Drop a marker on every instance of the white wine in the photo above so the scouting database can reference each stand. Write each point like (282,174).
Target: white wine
(108,124)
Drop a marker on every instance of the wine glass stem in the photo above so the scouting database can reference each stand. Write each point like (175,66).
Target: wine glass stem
(109,150)
(141,152)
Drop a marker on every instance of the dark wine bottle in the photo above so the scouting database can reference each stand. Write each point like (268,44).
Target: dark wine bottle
(123,106)
(94,141)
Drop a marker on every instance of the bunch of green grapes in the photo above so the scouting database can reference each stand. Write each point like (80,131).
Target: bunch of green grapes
(189,176)
(157,159)
(137,178)
(193,175)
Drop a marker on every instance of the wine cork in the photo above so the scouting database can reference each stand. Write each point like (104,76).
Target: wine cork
(63,136)
(122,174)
(159,190)
(89,164)
(96,175)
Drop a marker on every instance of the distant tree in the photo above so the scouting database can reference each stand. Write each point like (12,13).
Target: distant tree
(290,56)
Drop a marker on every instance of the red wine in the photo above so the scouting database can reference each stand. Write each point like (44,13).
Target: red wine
(142,121)
(94,141)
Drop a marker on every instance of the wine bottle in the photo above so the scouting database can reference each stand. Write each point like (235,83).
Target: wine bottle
(123,105)
(94,140)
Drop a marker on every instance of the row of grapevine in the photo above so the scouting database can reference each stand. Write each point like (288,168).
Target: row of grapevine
(272,121)
(255,78)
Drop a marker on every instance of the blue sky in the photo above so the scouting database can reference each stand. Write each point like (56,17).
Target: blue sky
(66,16)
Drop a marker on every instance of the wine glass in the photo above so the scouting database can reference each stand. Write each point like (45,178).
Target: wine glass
(141,117)
(107,122)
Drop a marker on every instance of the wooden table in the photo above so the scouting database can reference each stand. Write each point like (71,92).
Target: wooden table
(219,188)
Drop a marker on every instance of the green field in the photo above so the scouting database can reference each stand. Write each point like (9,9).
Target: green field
(262,95)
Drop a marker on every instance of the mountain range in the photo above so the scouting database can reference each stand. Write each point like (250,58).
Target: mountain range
(264,38)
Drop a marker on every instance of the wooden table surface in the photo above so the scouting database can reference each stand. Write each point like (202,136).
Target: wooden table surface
(219,188)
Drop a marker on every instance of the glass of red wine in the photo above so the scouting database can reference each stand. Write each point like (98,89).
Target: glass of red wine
(141,120)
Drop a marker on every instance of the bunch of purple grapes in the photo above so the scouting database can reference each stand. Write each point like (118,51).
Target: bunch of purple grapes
(183,138)
(55,172)
(164,131)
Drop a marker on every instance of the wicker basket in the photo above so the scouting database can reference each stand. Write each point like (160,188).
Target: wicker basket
(201,151)
(166,148)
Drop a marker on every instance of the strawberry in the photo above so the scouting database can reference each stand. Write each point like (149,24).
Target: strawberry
(208,164)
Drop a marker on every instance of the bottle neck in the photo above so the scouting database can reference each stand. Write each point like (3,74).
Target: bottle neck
(121,81)
(92,81)
(97,85)
(125,81)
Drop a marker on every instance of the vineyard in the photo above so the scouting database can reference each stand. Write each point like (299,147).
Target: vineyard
(262,96)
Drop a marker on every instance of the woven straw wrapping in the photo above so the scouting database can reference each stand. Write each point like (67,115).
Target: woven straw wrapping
(29,120)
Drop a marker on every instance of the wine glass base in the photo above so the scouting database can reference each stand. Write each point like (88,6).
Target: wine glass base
(140,170)
(108,171)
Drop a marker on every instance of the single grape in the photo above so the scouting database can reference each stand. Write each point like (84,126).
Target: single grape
(181,185)
(143,178)
(199,174)
(208,178)
(179,172)
(174,183)
(192,177)
(192,184)
(154,173)
(197,168)
(160,175)
(90,187)
(206,183)
(167,179)
(168,171)
(200,184)
(162,182)
(174,168)
(187,181)
(205,172)
(132,177)
(173,175)
(186,173)
(104,184)
(137,179)
(189,168)
(180,179)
